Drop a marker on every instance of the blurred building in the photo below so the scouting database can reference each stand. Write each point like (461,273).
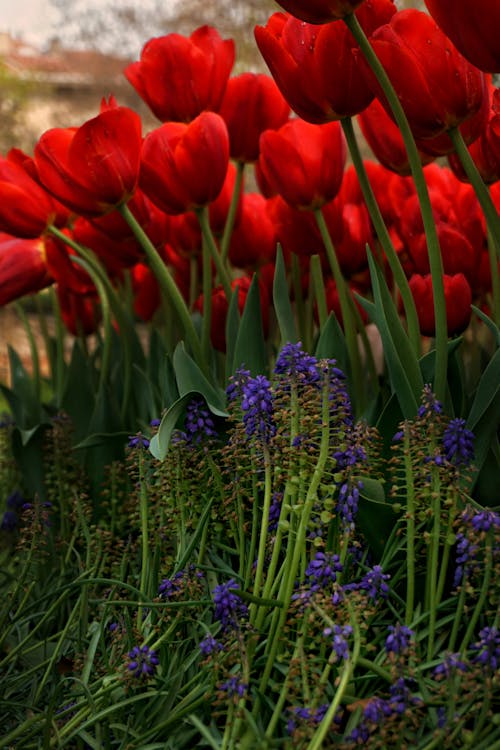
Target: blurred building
(56,87)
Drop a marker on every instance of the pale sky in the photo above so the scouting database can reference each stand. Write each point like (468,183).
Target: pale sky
(33,20)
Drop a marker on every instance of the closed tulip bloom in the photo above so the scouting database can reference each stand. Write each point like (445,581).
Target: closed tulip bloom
(146,291)
(80,313)
(252,103)
(304,163)
(26,209)
(183,167)
(473,27)
(315,68)
(93,168)
(437,87)
(458,299)
(253,241)
(320,11)
(179,77)
(385,139)
(23,267)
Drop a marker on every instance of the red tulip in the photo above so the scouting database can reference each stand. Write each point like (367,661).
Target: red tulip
(26,209)
(183,167)
(252,103)
(315,68)
(333,301)
(253,241)
(320,11)
(154,222)
(304,163)
(179,77)
(23,267)
(93,168)
(146,291)
(437,87)
(472,27)
(116,253)
(458,299)
(80,313)
(385,139)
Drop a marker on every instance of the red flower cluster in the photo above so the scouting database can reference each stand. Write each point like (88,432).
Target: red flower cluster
(74,188)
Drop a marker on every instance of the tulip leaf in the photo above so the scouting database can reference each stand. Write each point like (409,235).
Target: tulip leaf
(79,390)
(456,401)
(23,398)
(232,327)
(484,416)
(190,379)
(282,304)
(250,349)
(490,323)
(331,343)
(160,442)
(402,364)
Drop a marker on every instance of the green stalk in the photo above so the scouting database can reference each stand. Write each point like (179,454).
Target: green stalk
(384,236)
(35,359)
(207,300)
(143,510)
(231,216)
(490,212)
(410,530)
(208,237)
(433,249)
(264,523)
(167,284)
(319,289)
(432,574)
(347,314)
(483,595)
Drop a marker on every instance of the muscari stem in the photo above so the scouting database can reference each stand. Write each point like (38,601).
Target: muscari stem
(433,249)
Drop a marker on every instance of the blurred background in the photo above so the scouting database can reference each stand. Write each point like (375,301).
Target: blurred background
(59,57)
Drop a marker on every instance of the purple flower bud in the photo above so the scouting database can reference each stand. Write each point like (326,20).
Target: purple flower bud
(142,663)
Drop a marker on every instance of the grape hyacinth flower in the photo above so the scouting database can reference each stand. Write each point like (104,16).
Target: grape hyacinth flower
(323,569)
(487,648)
(340,643)
(458,443)
(234,687)
(209,645)
(451,664)
(171,586)
(374,582)
(138,441)
(234,390)
(142,663)
(257,407)
(229,608)
(313,716)
(295,364)
(430,405)
(398,640)
(347,505)
(198,424)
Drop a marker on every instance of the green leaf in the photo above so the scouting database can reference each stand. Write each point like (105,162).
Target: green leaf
(487,390)
(489,322)
(282,304)
(190,379)
(25,403)
(250,348)
(331,343)
(232,328)
(402,364)
(160,442)
(79,391)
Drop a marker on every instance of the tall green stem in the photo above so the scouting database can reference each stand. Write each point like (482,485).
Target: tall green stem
(233,207)
(435,260)
(208,237)
(384,236)
(167,284)
(489,210)
(347,313)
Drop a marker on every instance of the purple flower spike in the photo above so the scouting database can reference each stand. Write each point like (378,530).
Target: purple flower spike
(143,662)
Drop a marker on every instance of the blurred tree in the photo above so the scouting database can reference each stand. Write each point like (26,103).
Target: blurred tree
(14,93)
(123,26)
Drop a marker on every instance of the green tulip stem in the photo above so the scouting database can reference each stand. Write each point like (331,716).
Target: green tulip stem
(319,289)
(433,249)
(208,237)
(346,310)
(383,236)
(207,300)
(233,207)
(490,212)
(166,284)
